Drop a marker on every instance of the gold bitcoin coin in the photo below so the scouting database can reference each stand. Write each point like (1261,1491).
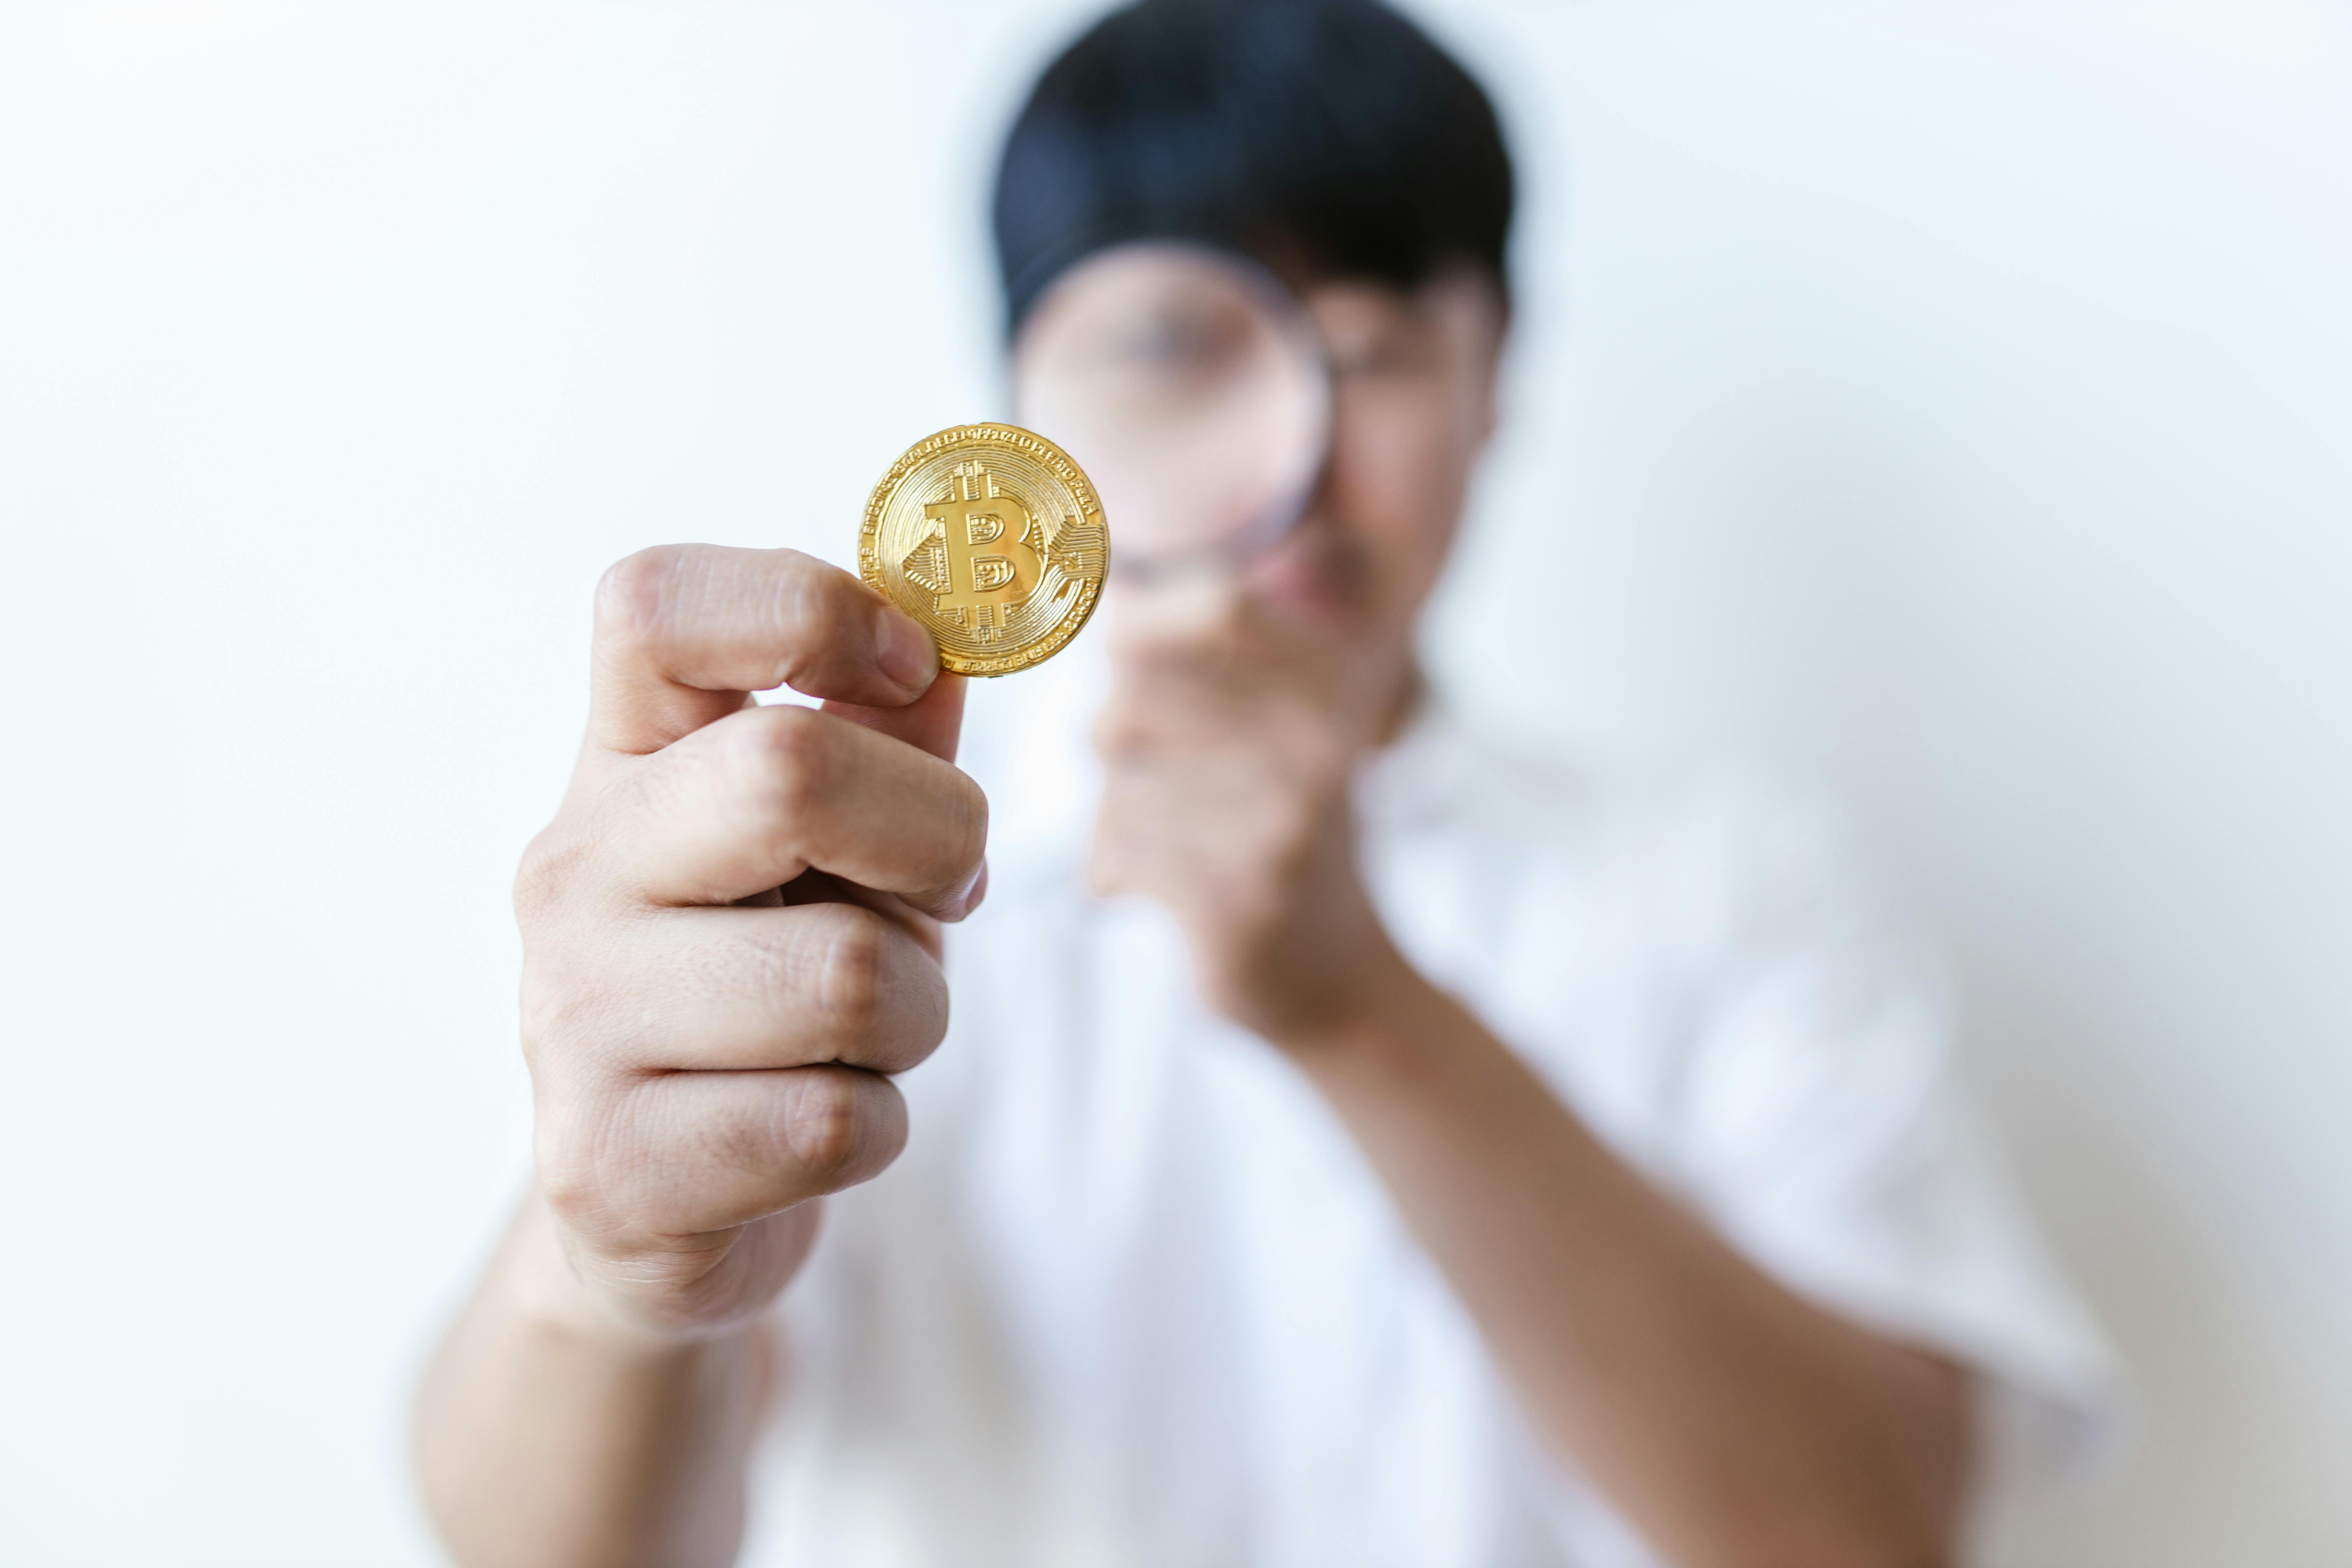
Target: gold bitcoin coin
(994,538)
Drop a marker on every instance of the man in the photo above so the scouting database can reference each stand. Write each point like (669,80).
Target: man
(1353,1146)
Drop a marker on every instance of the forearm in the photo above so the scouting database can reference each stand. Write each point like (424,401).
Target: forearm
(1734,1421)
(548,1437)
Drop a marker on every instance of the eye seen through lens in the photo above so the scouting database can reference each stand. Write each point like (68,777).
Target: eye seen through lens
(1191,387)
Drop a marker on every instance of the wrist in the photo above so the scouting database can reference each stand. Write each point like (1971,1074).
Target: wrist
(1375,1015)
(548,1292)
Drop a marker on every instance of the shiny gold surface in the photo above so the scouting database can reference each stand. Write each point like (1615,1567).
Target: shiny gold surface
(992,537)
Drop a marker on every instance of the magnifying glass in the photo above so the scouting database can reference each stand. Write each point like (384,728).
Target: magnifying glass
(1193,389)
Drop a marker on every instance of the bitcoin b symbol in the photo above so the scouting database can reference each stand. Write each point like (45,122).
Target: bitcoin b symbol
(982,532)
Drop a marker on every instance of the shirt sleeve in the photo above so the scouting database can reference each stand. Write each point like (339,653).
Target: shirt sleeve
(1792,1077)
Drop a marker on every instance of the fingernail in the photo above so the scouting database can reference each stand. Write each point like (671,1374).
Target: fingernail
(978,890)
(905,651)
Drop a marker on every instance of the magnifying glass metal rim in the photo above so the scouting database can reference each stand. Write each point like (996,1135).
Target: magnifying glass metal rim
(1273,522)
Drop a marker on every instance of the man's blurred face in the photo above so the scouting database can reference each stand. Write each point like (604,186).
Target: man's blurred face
(1414,382)
(1234,718)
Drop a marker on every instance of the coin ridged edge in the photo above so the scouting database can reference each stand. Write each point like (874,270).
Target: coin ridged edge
(869,562)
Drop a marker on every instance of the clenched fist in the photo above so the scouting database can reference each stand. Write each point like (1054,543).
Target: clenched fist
(731,927)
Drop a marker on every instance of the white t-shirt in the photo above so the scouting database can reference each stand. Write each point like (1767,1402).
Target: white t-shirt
(1131,1296)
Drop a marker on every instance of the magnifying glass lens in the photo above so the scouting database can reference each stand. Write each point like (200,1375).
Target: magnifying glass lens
(1190,387)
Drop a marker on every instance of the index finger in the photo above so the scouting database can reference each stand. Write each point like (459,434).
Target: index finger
(685,632)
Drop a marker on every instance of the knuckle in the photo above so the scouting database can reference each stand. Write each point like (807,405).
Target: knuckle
(634,596)
(545,870)
(566,1016)
(572,1177)
(558,865)
(578,995)
(790,760)
(826,1124)
(852,981)
(570,1190)
(829,608)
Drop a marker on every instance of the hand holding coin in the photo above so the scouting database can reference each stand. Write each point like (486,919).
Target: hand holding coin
(732,928)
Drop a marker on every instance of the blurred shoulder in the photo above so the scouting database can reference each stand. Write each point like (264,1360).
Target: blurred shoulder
(1642,939)
(1700,860)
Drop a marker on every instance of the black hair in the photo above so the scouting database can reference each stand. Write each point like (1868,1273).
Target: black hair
(1331,137)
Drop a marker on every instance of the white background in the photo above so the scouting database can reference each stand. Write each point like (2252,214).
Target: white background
(1950,405)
